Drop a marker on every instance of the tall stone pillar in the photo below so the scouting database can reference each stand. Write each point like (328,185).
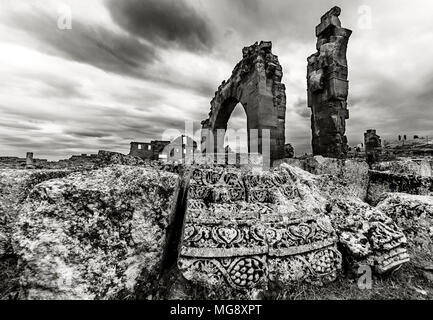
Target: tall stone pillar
(328,87)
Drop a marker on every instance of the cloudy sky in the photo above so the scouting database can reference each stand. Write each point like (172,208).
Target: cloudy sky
(129,70)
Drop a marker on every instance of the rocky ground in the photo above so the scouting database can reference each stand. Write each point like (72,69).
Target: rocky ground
(116,232)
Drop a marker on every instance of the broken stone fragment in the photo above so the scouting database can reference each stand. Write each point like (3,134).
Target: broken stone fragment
(316,80)
(414,215)
(93,235)
(327,87)
(15,185)
(261,101)
(329,20)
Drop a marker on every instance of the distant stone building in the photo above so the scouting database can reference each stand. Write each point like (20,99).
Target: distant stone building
(417,147)
(148,150)
(373,145)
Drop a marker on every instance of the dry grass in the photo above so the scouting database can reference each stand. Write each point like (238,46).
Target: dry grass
(8,278)
(404,284)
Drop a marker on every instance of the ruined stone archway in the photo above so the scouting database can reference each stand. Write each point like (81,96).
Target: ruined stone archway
(255,83)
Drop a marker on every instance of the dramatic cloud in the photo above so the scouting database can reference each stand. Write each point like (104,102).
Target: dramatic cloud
(131,70)
(166,23)
(94,45)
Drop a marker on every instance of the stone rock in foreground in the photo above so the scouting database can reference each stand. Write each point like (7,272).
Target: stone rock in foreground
(406,167)
(414,215)
(249,230)
(92,235)
(367,236)
(244,230)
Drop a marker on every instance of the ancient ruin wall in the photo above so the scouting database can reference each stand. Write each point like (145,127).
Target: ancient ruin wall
(373,145)
(328,87)
(256,84)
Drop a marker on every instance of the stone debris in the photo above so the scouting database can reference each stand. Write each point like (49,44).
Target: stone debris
(354,174)
(103,233)
(256,84)
(368,236)
(414,215)
(77,162)
(245,229)
(15,185)
(108,225)
(373,146)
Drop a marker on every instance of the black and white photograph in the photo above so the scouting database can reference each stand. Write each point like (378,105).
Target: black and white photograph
(232,152)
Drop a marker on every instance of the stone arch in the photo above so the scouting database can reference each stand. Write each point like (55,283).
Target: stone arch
(255,83)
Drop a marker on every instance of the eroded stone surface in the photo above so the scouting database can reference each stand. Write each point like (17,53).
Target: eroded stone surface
(15,185)
(353,174)
(247,230)
(256,84)
(91,235)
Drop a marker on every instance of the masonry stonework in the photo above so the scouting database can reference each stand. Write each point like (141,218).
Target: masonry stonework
(373,145)
(328,87)
(256,84)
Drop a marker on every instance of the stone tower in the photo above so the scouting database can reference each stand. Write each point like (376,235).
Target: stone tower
(328,87)
(373,145)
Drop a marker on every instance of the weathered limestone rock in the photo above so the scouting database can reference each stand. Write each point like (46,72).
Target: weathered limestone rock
(29,160)
(92,235)
(245,229)
(368,235)
(419,167)
(328,87)
(414,215)
(385,182)
(109,158)
(353,174)
(256,84)
(15,185)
